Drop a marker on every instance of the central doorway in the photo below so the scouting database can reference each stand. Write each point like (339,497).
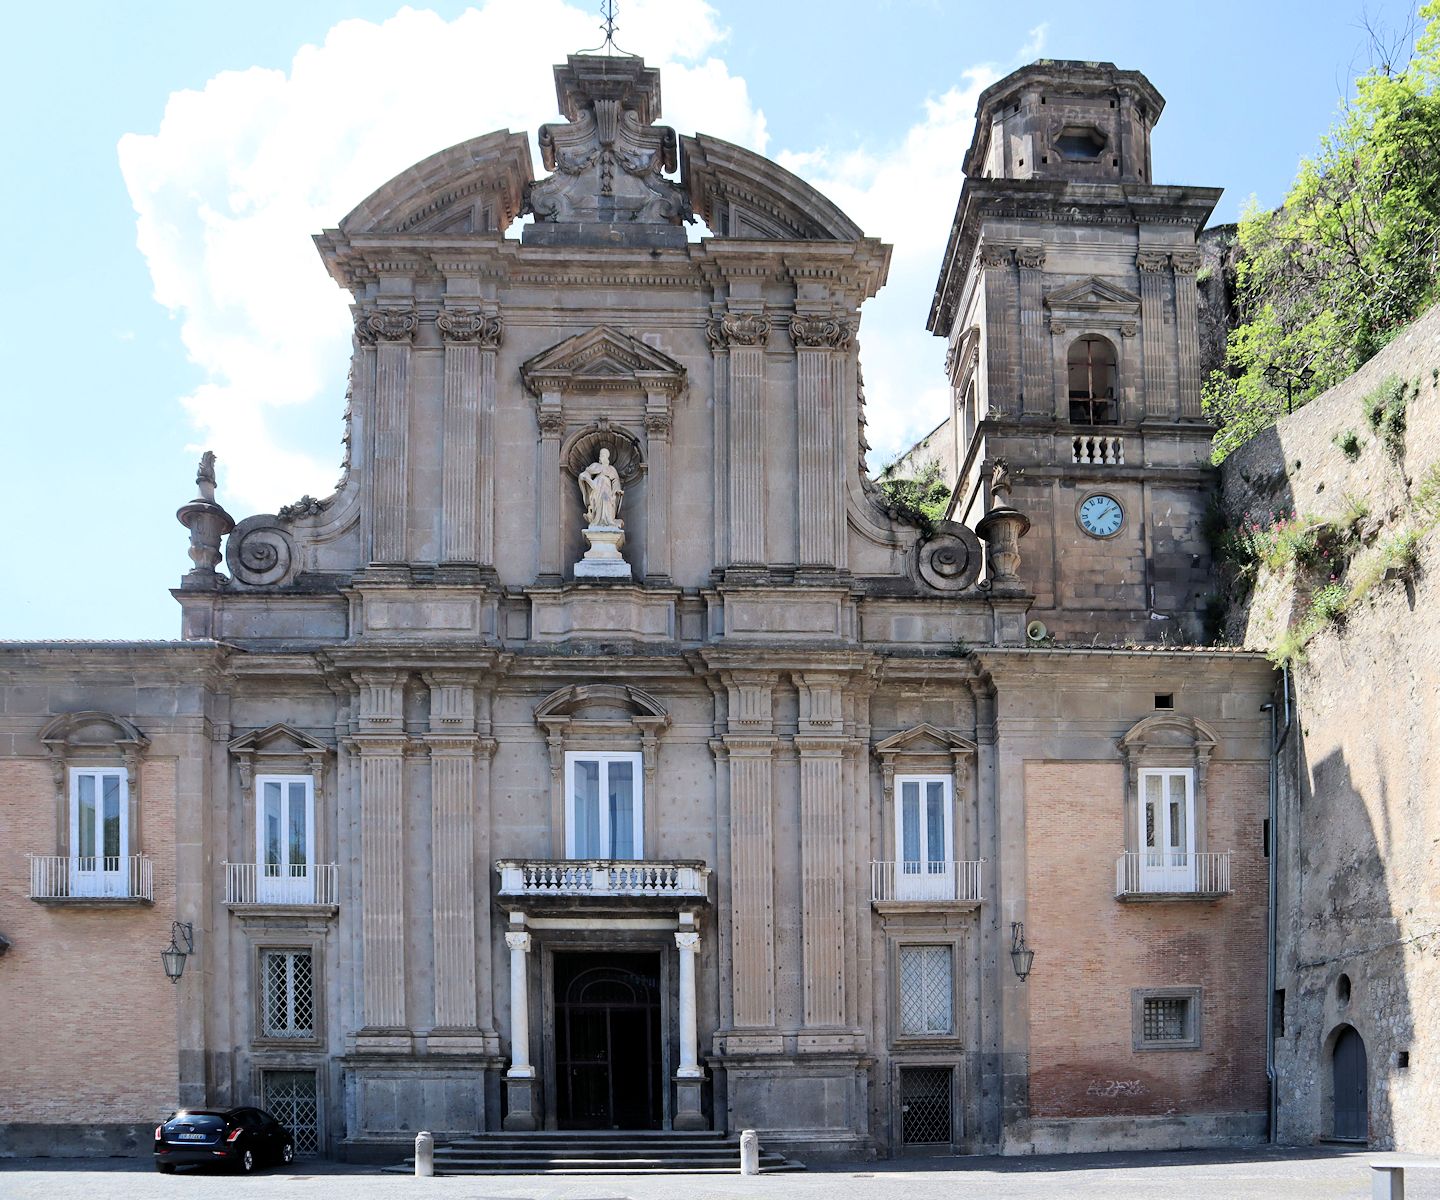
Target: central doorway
(607,1041)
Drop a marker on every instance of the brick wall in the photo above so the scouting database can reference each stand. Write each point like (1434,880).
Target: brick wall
(1091,950)
(87,1016)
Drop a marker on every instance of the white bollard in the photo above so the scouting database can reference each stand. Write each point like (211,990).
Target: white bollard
(424,1154)
(749,1153)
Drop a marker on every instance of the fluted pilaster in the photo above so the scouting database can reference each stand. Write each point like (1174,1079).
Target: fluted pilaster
(467,477)
(822,878)
(1036,376)
(1187,331)
(995,262)
(818,342)
(390,331)
(743,337)
(1153,282)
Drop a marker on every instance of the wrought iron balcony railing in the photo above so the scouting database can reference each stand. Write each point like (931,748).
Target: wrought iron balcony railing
(91,877)
(955,882)
(268,883)
(1141,873)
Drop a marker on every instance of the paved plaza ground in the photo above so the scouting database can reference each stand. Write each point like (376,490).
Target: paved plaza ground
(1280,1174)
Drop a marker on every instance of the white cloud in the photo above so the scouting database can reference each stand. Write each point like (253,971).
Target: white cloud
(241,173)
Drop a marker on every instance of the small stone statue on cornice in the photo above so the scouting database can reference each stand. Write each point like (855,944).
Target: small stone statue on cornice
(601,493)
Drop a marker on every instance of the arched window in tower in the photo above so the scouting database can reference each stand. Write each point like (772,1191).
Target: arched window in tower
(1091,370)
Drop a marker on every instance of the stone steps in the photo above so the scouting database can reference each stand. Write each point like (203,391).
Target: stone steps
(566,1153)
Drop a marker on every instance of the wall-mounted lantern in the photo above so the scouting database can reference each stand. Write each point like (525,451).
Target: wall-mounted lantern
(173,957)
(1020,954)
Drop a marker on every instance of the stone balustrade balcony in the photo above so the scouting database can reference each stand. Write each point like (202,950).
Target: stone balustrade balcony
(1172,875)
(1093,449)
(598,881)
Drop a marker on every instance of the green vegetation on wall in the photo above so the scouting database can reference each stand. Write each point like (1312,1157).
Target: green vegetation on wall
(1353,254)
(922,500)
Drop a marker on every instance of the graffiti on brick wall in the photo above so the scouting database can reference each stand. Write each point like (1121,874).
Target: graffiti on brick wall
(1115,1088)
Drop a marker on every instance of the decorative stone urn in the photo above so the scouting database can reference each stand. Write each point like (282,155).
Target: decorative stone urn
(1002,528)
(207,523)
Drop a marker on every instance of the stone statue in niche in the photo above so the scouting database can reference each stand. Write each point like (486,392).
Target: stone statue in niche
(601,493)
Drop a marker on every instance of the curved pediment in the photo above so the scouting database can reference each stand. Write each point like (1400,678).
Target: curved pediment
(741,194)
(1169,731)
(602,359)
(475,187)
(91,729)
(601,701)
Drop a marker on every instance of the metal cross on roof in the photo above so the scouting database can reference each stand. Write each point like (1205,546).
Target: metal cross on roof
(607,11)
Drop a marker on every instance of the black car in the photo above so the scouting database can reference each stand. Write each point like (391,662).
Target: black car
(239,1138)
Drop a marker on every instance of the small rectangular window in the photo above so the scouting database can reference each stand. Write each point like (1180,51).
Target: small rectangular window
(1277,1012)
(1166,1018)
(287,994)
(927,991)
(1165,700)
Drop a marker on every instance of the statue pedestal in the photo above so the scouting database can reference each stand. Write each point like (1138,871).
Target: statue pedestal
(603,560)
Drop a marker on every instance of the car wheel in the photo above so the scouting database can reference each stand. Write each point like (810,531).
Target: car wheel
(247,1160)
(165,1168)
(287,1155)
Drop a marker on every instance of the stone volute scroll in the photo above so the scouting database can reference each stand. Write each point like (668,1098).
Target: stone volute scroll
(949,559)
(604,531)
(207,523)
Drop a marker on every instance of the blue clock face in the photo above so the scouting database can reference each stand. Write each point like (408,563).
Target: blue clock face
(1101,516)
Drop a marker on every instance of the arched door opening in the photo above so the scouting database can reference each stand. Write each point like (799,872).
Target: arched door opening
(1349,1087)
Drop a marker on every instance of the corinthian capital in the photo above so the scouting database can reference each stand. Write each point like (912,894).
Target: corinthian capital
(1031,258)
(385,325)
(470,325)
(992,255)
(822,333)
(1185,262)
(738,329)
(1152,260)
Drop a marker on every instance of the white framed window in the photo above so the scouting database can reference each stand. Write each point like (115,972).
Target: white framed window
(285,839)
(604,806)
(924,837)
(287,994)
(1167,829)
(927,991)
(99,832)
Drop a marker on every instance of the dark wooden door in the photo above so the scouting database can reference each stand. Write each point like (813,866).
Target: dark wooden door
(1352,1117)
(607,1041)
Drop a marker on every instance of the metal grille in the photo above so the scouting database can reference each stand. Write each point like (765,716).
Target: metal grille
(926,991)
(925,1117)
(288,997)
(1166,1018)
(290,1098)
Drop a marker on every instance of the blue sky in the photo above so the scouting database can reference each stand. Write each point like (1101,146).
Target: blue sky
(168,161)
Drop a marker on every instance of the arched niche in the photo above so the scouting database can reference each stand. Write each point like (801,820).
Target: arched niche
(1167,740)
(93,739)
(604,717)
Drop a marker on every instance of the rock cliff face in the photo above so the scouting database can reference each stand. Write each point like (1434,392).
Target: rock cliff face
(1359,803)
(1219,254)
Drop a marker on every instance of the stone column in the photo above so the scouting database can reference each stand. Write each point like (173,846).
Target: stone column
(657,489)
(520,1078)
(1187,332)
(819,340)
(380,741)
(750,745)
(690,1075)
(453,744)
(999,365)
(1153,270)
(1035,377)
(743,335)
(821,746)
(391,331)
(552,426)
(467,477)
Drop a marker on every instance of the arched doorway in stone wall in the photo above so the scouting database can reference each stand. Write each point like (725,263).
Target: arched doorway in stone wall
(1349,1086)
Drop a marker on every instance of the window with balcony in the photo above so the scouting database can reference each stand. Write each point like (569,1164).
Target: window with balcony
(284,839)
(924,835)
(604,815)
(99,832)
(1090,370)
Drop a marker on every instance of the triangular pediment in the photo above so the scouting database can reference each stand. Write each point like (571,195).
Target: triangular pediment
(606,358)
(1093,294)
(925,739)
(278,740)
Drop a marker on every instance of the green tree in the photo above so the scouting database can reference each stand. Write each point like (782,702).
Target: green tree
(1351,257)
(922,500)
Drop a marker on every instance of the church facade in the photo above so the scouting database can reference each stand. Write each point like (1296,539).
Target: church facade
(607,752)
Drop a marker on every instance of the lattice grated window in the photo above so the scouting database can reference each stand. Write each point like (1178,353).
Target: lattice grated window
(290,1097)
(927,993)
(1167,1018)
(925,1110)
(287,994)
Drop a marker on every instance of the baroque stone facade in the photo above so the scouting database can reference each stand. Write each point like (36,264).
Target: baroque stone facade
(797,823)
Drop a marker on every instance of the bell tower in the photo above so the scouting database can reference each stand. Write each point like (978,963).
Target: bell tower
(1068,301)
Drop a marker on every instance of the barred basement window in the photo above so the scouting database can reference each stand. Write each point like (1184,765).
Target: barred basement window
(927,991)
(1166,1018)
(287,1001)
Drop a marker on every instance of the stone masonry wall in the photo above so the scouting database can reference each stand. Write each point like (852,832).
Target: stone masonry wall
(1359,815)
